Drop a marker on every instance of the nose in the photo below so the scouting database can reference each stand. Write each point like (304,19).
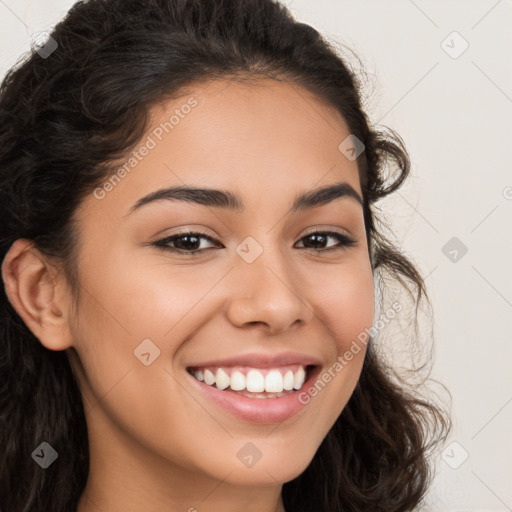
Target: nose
(268,292)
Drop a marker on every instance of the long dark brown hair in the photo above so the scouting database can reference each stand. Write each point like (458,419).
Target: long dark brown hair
(67,115)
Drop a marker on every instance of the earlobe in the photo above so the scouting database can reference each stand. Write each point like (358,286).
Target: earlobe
(31,285)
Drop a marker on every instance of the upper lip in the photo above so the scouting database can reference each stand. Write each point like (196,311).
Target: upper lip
(261,360)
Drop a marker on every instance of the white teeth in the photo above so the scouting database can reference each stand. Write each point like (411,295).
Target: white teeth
(300,376)
(222,379)
(237,381)
(288,380)
(274,382)
(255,381)
(273,385)
(209,378)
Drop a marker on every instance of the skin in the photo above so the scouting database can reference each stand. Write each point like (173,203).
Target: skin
(155,443)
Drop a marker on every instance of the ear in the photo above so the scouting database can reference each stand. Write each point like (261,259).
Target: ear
(37,293)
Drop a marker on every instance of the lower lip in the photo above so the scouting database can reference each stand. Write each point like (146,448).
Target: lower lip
(257,410)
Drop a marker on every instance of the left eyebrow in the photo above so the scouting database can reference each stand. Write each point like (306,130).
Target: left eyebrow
(231,201)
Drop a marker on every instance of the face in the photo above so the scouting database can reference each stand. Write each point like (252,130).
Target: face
(249,286)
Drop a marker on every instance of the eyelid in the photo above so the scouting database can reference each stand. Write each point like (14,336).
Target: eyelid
(327,229)
(203,230)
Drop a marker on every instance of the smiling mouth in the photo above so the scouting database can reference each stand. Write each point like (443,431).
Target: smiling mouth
(263,383)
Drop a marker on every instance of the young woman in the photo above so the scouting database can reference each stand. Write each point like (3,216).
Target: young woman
(190,253)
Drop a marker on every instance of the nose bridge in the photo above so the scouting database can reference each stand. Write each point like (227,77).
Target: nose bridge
(265,287)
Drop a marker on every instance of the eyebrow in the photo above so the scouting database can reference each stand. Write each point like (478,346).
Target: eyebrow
(231,201)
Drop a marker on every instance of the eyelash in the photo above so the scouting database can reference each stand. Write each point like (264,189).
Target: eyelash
(345,241)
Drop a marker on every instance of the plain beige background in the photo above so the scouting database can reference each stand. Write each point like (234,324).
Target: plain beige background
(440,75)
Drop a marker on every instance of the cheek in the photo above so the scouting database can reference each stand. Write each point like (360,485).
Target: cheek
(344,301)
(344,304)
(137,297)
(127,299)
(126,303)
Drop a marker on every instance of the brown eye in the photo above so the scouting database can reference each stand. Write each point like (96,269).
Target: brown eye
(319,238)
(188,242)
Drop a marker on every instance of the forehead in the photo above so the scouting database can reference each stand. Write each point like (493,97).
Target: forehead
(266,140)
